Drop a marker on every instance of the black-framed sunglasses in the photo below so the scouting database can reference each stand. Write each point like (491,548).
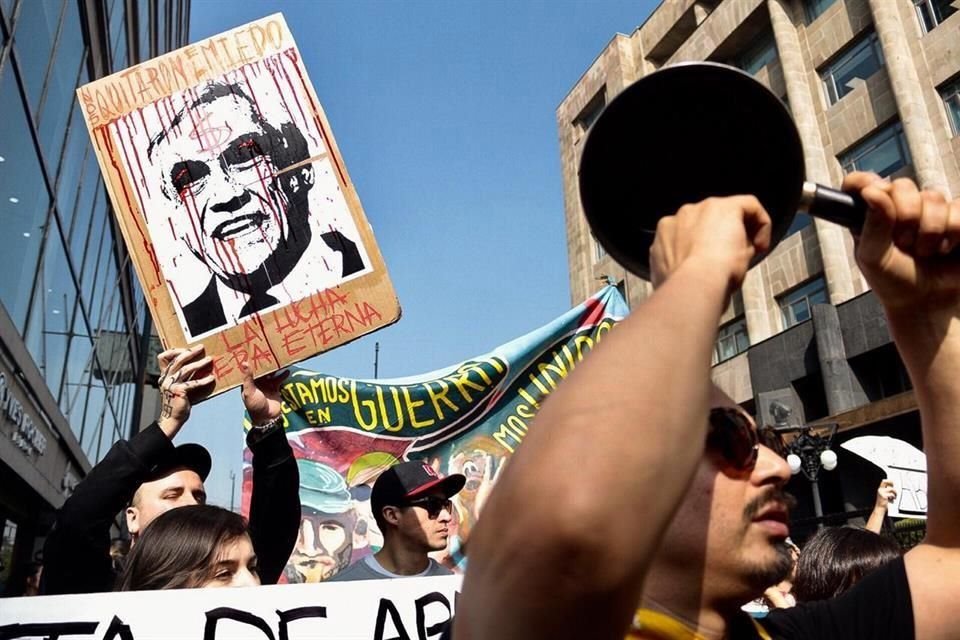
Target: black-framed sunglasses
(734,437)
(433,505)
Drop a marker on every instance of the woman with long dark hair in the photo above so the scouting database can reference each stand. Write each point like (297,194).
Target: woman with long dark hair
(836,558)
(191,547)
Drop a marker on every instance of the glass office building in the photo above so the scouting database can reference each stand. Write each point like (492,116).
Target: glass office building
(73,320)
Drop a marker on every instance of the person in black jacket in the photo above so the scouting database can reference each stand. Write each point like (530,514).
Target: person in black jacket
(148,475)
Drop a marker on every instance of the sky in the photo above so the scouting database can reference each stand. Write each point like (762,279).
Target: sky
(445,114)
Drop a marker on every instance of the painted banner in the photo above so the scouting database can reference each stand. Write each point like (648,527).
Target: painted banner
(467,418)
(373,610)
(237,210)
(901,462)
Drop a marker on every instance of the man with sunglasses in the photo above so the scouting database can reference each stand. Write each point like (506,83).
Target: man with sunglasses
(670,513)
(411,505)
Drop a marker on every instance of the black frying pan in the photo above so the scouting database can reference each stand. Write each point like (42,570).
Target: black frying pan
(688,132)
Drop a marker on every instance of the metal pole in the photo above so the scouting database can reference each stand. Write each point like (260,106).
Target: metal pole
(376,358)
(233,488)
(817,507)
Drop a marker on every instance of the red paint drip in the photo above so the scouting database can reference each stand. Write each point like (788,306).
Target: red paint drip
(193,216)
(126,156)
(256,318)
(275,61)
(262,176)
(168,106)
(293,92)
(163,124)
(108,149)
(253,95)
(143,120)
(143,176)
(193,121)
(173,289)
(316,118)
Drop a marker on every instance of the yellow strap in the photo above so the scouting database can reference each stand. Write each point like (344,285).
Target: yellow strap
(661,625)
(760,630)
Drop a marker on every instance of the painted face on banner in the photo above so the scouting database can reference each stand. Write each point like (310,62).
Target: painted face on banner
(324,545)
(235,205)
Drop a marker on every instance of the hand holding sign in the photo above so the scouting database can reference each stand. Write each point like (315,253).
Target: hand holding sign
(261,397)
(906,470)
(886,494)
(241,221)
(182,384)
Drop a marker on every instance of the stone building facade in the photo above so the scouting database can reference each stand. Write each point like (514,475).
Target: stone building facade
(871,84)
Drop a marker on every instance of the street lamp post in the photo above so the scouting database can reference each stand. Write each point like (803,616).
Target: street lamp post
(808,451)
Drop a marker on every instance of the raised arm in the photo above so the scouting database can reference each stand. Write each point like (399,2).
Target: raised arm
(903,253)
(275,500)
(886,494)
(77,550)
(567,534)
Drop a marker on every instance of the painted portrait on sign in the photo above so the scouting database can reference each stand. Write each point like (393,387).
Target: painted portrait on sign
(240,196)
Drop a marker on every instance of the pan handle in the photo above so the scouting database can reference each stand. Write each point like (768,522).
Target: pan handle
(842,208)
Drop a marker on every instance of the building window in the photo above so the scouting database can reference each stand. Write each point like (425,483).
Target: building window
(592,111)
(599,253)
(933,12)
(732,339)
(951,99)
(759,54)
(857,63)
(797,306)
(34,35)
(883,153)
(24,202)
(815,8)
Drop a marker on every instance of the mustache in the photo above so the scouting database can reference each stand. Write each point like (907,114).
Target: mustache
(771,496)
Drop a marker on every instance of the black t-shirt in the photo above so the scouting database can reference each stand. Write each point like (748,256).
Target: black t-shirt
(876,608)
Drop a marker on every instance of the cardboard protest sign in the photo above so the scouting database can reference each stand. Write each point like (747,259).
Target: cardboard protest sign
(373,609)
(904,464)
(235,204)
(467,418)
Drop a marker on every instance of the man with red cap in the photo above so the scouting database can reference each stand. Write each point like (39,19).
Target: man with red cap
(411,505)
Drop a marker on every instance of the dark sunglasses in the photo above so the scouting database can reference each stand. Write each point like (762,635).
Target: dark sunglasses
(433,505)
(734,437)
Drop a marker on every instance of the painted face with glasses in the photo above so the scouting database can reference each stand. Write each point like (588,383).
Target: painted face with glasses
(240,210)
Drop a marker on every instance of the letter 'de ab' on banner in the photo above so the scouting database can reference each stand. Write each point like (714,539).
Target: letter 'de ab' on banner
(237,211)
(371,609)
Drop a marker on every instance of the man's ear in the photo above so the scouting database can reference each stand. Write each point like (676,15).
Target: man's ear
(391,515)
(133,521)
